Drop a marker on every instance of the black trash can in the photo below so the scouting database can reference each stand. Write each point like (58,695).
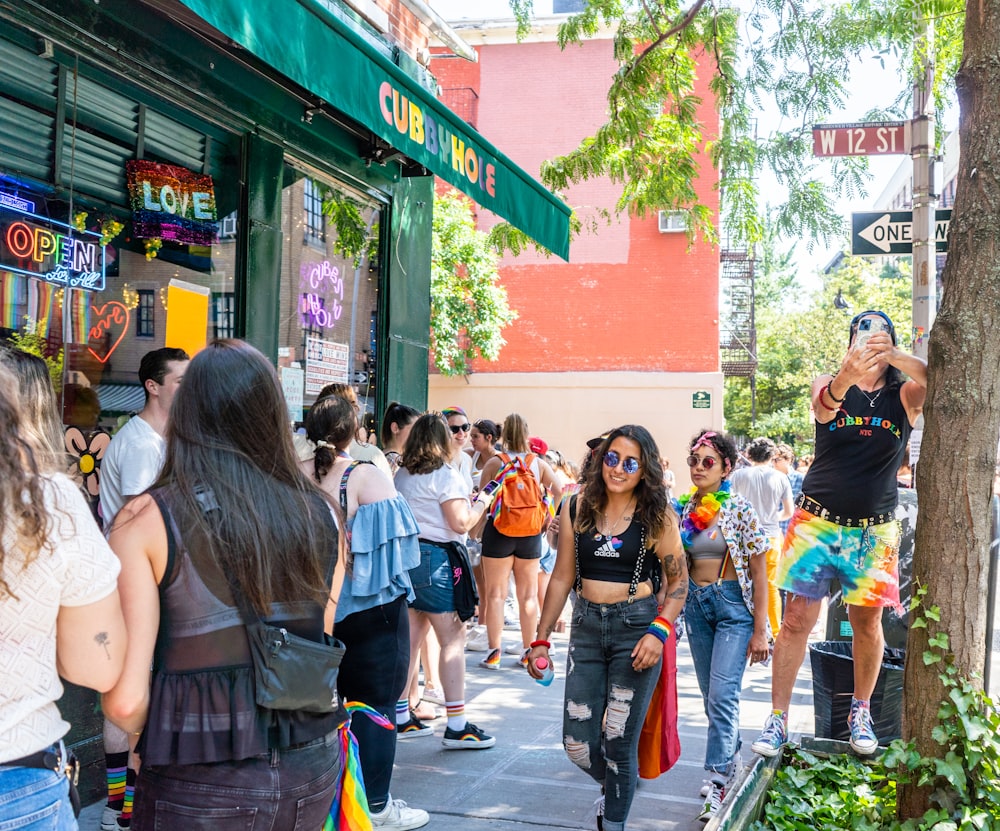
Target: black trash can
(833,684)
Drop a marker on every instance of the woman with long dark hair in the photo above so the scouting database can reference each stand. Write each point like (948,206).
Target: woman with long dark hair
(610,533)
(59,609)
(396,423)
(371,617)
(232,515)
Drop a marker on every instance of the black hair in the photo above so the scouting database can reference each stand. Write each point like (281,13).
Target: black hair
(722,444)
(488,428)
(333,421)
(893,377)
(398,414)
(760,450)
(153,366)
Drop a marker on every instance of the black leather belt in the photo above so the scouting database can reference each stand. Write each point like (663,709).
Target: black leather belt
(814,508)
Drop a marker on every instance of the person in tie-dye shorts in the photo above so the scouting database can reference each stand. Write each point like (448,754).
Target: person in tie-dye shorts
(844,527)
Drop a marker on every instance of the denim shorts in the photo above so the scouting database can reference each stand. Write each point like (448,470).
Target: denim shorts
(864,560)
(432,581)
(35,800)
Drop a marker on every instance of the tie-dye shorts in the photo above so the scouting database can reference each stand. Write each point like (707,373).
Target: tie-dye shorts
(864,560)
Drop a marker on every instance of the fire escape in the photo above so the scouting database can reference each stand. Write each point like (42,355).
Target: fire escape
(738,332)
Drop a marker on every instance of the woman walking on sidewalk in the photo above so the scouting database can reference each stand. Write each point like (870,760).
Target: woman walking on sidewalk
(726,609)
(611,530)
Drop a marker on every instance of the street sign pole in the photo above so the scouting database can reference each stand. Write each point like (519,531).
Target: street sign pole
(924,199)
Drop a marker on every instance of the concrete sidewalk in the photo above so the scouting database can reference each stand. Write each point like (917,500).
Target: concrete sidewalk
(526,781)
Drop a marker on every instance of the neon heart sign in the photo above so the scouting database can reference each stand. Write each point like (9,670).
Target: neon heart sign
(111,319)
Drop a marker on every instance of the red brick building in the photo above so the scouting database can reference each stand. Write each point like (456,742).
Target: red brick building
(628,330)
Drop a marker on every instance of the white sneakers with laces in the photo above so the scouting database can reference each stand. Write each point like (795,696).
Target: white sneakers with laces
(398,816)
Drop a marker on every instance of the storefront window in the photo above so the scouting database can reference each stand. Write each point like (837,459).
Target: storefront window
(329,289)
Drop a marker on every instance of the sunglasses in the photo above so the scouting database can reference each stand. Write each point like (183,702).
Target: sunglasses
(456,428)
(708,462)
(629,464)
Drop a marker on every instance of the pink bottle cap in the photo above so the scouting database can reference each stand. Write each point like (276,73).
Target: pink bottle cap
(541,663)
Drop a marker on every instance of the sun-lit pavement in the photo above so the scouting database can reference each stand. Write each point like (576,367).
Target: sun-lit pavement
(526,781)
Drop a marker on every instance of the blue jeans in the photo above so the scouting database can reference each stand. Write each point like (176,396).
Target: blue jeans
(35,800)
(374,671)
(600,682)
(290,789)
(719,630)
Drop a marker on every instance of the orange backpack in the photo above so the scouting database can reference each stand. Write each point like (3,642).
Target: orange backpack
(520,508)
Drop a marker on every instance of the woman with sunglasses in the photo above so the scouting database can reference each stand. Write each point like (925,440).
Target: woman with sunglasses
(503,555)
(726,609)
(844,526)
(611,530)
(459,427)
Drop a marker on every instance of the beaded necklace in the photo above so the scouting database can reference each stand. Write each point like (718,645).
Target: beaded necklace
(699,518)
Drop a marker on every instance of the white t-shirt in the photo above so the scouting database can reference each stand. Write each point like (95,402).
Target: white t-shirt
(765,488)
(79,569)
(130,465)
(425,493)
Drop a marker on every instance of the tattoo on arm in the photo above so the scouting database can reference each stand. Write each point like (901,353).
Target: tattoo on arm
(102,639)
(679,593)
(671,566)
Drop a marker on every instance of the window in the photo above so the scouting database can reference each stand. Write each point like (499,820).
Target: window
(144,316)
(223,314)
(315,221)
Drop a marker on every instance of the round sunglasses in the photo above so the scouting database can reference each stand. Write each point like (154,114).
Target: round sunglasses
(708,462)
(629,464)
(455,428)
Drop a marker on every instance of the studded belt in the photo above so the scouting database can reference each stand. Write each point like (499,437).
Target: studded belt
(816,509)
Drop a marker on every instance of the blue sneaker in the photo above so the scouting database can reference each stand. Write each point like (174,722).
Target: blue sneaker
(772,738)
(864,742)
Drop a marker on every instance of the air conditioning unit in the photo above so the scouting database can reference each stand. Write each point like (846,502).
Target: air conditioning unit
(672,221)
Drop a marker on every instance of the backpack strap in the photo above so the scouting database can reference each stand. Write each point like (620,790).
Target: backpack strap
(343,482)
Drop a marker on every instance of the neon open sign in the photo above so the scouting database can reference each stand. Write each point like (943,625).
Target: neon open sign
(48,250)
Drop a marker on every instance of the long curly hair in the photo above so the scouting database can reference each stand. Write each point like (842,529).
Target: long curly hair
(228,435)
(24,523)
(651,506)
(722,444)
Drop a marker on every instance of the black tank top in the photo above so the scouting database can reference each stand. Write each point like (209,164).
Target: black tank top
(612,559)
(202,705)
(857,455)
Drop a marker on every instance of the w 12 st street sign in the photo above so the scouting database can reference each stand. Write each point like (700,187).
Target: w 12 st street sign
(877,233)
(869,138)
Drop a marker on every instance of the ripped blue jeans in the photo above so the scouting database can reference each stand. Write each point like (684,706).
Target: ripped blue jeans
(606,700)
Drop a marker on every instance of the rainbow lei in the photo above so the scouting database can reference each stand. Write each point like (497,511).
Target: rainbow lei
(699,518)
(349,811)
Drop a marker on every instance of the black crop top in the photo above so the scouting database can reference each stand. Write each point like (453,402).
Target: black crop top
(612,559)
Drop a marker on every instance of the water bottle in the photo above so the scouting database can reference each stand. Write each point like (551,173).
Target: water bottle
(545,667)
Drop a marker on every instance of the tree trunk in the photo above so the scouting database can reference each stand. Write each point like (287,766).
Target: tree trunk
(962,413)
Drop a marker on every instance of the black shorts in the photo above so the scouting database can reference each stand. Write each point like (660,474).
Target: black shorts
(497,545)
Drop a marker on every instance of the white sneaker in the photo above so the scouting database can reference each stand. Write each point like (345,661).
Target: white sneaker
(432,695)
(477,640)
(397,815)
(513,649)
(109,819)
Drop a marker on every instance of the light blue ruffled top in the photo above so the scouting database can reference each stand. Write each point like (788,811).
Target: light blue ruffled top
(385,547)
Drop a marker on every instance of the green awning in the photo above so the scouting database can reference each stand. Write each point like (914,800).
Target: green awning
(312,47)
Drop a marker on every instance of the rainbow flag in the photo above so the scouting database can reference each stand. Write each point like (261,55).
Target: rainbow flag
(12,300)
(79,315)
(40,296)
(349,811)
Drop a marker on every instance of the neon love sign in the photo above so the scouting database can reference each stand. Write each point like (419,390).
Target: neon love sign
(110,326)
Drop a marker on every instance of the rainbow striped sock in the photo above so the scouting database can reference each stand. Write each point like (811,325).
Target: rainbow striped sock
(402,711)
(456,714)
(116,764)
(125,820)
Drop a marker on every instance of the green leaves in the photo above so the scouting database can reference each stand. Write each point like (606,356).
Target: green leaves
(469,308)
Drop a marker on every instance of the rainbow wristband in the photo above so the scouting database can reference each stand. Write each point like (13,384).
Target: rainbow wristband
(660,628)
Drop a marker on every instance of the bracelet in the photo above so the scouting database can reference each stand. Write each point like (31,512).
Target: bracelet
(829,391)
(546,644)
(660,628)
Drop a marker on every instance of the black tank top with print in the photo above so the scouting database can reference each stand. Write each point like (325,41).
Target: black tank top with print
(612,559)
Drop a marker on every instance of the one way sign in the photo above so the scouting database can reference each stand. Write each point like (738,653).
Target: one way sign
(891,232)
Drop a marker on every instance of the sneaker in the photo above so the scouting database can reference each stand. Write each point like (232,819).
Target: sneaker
(863,739)
(109,818)
(398,816)
(599,812)
(413,728)
(469,737)
(706,787)
(523,660)
(477,640)
(713,800)
(772,738)
(491,661)
(432,695)
(514,649)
